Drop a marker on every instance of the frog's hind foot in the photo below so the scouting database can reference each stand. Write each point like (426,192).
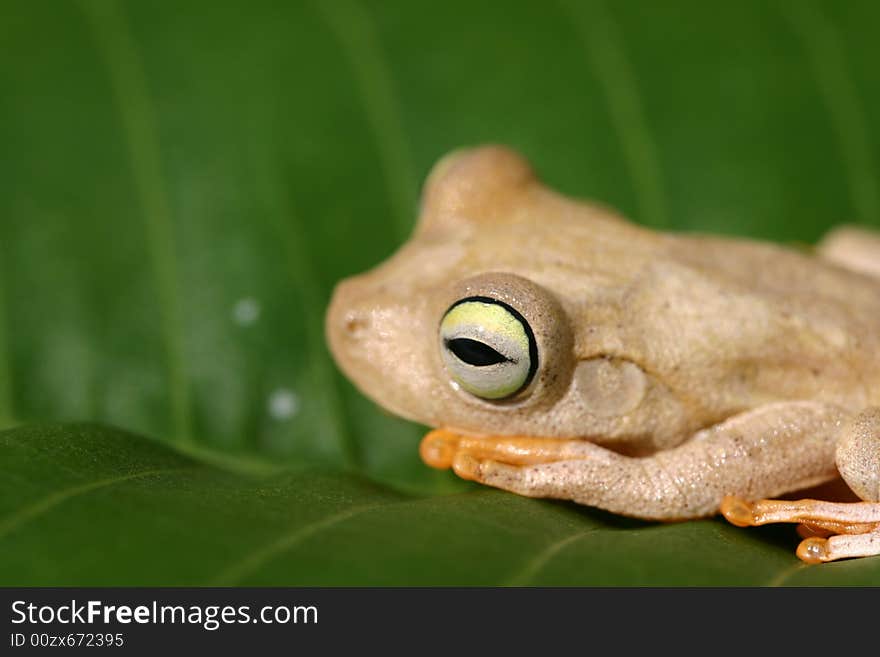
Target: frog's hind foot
(831,530)
(841,546)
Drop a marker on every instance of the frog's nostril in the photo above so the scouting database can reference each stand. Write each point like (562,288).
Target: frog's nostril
(347,318)
(355,323)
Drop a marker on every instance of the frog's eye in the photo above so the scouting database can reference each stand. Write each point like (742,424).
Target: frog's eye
(488,347)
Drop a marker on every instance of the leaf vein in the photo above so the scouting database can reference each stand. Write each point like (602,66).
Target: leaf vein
(353,29)
(256,559)
(31,511)
(7,406)
(823,46)
(786,574)
(128,82)
(288,226)
(537,563)
(600,37)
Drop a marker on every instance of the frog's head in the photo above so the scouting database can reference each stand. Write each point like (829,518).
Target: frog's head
(474,323)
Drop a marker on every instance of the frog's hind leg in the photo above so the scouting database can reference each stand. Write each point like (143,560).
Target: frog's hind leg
(841,530)
(853,247)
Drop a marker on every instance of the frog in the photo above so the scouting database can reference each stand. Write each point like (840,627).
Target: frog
(556,349)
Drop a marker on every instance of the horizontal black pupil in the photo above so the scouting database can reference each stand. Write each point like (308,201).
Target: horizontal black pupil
(474,352)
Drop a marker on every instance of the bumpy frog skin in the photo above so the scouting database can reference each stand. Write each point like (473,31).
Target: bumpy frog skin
(561,351)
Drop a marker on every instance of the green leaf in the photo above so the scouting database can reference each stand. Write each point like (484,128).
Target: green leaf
(82,504)
(183,184)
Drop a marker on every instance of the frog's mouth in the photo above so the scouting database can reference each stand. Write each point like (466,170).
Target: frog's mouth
(447,448)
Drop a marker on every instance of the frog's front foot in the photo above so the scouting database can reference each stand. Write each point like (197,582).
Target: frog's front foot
(535,467)
(438,448)
(832,530)
(445,448)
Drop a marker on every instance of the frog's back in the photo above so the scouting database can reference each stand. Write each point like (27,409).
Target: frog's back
(830,309)
(723,324)
(797,274)
(726,324)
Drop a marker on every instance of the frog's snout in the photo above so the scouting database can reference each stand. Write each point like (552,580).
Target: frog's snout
(348,319)
(368,330)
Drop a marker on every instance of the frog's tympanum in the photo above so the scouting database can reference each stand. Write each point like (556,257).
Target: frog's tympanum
(561,351)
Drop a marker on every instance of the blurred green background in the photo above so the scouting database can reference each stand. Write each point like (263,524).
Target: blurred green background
(182,184)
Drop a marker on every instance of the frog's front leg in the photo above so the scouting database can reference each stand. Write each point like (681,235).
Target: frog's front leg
(855,527)
(760,453)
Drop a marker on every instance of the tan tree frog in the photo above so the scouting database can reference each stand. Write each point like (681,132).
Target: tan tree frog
(562,351)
